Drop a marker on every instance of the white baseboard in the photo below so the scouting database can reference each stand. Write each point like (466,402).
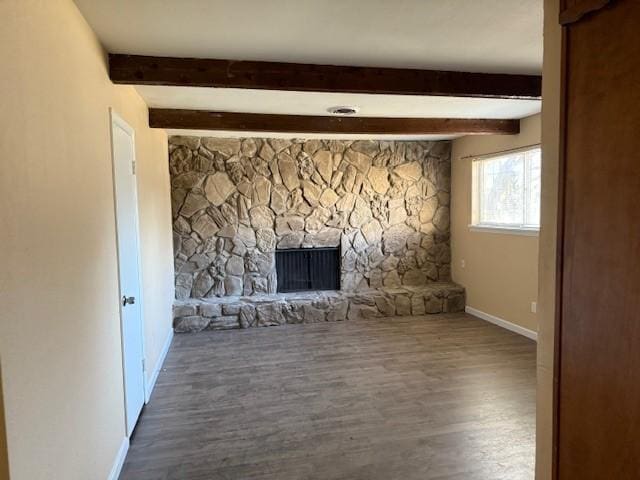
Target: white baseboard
(119,461)
(502,323)
(156,370)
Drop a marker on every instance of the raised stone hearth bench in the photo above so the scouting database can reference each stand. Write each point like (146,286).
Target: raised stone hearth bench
(195,315)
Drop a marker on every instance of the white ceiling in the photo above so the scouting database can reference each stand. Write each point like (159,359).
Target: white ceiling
(316,103)
(496,36)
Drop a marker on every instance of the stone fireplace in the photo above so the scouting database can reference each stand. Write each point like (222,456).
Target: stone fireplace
(236,202)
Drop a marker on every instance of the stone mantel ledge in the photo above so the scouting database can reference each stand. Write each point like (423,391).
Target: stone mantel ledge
(229,312)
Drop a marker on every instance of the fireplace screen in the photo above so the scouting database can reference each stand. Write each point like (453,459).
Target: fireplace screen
(308,269)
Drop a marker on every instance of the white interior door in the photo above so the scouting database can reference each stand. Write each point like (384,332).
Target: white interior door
(122,138)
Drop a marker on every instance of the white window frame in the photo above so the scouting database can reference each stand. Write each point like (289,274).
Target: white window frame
(476,187)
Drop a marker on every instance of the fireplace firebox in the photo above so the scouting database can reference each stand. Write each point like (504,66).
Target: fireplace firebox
(304,269)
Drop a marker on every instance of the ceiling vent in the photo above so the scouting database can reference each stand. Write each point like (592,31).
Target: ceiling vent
(343,110)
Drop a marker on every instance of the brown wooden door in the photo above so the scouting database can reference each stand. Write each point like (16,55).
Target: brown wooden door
(598,344)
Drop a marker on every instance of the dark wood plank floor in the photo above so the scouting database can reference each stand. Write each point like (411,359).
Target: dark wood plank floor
(435,397)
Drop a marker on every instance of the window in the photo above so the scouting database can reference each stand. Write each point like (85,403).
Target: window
(506,191)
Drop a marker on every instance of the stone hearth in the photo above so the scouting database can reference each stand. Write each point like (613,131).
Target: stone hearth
(195,315)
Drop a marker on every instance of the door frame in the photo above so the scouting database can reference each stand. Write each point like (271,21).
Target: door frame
(569,14)
(116,119)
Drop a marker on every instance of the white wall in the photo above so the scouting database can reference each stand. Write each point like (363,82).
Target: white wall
(59,322)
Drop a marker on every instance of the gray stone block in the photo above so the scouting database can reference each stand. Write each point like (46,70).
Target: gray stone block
(454,303)
(184,310)
(190,324)
(231,308)
(270,314)
(247,316)
(403,305)
(226,322)
(210,309)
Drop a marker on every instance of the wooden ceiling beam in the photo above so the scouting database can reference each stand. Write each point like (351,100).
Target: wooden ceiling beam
(299,124)
(196,72)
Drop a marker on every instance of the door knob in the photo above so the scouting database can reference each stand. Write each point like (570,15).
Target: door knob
(128,301)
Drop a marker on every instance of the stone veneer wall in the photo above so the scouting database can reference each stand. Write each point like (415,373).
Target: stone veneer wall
(236,200)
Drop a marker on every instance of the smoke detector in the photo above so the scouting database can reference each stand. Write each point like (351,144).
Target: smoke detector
(343,110)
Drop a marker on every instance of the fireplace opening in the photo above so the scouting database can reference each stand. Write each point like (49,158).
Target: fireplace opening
(304,269)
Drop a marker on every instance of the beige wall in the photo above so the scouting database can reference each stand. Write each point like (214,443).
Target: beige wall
(4,459)
(501,272)
(551,84)
(59,328)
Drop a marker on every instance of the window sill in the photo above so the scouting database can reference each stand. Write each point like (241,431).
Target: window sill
(527,232)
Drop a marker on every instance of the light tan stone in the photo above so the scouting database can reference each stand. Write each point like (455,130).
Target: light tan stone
(311,192)
(428,210)
(336,179)
(261,217)
(359,160)
(349,177)
(328,198)
(409,171)
(379,178)
(275,172)
(261,191)
(279,196)
(346,202)
(372,232)
(266,152)
(249,147)
(360,245)
(313,224)
(265,239)
(291,240)
(245,188)
(288,171)
(224,146)
(357,183)
(368,147)
(218,187)
(395,238)
(288,224)
(327,237)
(397,215)
(361,213)
(279,144)
(311,146)
(324,164)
